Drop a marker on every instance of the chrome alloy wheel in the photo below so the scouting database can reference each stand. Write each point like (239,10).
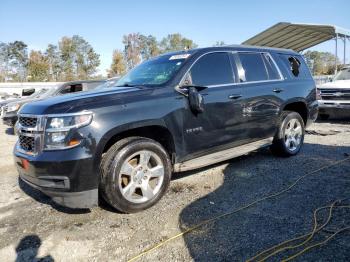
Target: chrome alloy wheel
(293,134)
(141,176)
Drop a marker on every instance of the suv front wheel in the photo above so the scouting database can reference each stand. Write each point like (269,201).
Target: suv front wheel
(290,135)
(135,173)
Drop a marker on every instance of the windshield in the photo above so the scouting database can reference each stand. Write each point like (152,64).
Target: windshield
(343,74)
(154,72)
(38,93)
(43,93)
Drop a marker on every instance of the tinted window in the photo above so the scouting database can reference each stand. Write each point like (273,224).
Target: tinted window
(253,66)
(271,68)
(72,89)
(211,69)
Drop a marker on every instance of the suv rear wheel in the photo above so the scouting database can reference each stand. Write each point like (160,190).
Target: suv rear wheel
(290,135)
(135,173)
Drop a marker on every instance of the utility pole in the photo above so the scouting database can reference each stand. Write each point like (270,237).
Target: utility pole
(336,53)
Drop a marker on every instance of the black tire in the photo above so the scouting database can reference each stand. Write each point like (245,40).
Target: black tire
(279,146)
(323,116)
(110,167)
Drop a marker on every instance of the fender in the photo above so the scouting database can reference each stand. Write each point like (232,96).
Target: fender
(294,100)
(120,129)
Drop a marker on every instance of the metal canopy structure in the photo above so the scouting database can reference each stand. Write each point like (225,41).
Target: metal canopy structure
(299,36)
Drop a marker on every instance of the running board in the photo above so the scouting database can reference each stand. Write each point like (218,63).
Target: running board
(221,156)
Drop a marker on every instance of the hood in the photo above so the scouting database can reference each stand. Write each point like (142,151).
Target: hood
(21,101)
(336,84)
(88,100)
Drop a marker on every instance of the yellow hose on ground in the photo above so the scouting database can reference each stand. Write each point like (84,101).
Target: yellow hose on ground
(281,247)
(273,195)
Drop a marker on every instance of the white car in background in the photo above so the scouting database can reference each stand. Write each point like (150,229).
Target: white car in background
(334,97)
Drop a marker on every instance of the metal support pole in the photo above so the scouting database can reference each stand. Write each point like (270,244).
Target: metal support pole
(344,52)
(336,53)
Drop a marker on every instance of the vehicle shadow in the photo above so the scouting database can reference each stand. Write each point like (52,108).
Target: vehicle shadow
(27,250)
(335,120)
(42,198)
(239,236)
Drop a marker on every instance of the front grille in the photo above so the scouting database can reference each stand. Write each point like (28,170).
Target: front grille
(335,94)
(27,143)
(28,121)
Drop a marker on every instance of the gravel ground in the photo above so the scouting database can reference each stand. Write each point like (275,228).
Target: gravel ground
(33,227)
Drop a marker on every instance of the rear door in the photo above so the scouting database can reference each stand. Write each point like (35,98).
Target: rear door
(262,83)
(220,123)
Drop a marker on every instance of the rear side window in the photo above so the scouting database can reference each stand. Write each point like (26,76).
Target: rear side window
(271,68)
(253,66)
(295,66)
(211,69)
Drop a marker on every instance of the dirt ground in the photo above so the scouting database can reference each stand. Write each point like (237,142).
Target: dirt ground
(32,227)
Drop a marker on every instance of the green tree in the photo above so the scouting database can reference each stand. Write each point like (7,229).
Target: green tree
(321,63)
(118,66)
(148,46)
(38,67)
(132,49)
(53,59)
(66,50)
(18,60)
(78,59)
(175,42)
(13,61)
(4,61)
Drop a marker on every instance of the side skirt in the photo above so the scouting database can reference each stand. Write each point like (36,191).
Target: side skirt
(221,155)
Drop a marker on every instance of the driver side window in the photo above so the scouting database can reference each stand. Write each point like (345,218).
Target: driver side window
(211,69)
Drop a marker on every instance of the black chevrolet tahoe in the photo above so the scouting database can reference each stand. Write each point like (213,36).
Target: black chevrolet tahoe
(175,112)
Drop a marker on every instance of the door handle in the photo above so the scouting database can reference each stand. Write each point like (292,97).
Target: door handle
(278,90)
(234,96)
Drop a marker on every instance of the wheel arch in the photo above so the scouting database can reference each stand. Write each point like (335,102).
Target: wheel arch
(299,106)
(153,130)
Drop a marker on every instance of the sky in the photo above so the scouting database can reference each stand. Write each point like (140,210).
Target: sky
(103,23)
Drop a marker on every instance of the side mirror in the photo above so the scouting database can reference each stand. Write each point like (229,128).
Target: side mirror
(195,100)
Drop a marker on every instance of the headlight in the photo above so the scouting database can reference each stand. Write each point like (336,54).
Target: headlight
(59,135)
(12,108)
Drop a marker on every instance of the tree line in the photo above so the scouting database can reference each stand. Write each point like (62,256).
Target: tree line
(139,47)
(73,58)
(321,63)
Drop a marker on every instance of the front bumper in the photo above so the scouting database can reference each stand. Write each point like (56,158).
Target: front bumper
(341,104)
(67,176)
(334,107)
